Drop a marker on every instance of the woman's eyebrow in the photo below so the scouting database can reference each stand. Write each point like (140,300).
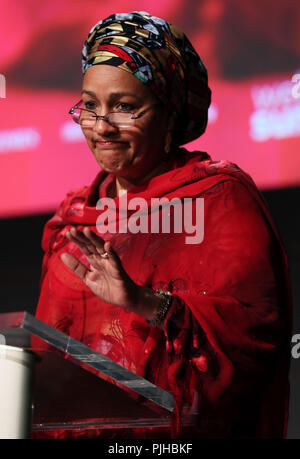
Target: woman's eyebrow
(90,93)
(116,95)
(113,95)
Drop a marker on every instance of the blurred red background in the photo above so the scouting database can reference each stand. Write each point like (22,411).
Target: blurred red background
(251,50)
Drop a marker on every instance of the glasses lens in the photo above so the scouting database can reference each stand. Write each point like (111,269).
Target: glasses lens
(87,118)
(121,119)
(76,114)
(83,117)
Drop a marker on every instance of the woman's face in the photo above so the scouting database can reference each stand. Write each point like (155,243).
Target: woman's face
(131,152)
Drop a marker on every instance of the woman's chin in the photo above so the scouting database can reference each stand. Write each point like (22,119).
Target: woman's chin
(111,165)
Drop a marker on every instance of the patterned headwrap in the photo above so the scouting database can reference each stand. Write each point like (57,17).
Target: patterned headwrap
(162,57)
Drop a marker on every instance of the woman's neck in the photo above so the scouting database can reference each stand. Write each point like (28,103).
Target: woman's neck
(121,185)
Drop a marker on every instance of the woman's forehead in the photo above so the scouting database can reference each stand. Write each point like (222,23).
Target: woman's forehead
(106,79)
(112,94)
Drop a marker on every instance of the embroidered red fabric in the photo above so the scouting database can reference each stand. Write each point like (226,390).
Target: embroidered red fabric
(224,350)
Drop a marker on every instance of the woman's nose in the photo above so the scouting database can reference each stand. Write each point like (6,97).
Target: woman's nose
(103,127)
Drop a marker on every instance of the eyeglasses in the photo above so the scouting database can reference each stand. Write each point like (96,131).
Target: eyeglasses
(88,118)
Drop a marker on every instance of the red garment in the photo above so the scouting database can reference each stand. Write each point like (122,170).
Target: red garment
(224,351)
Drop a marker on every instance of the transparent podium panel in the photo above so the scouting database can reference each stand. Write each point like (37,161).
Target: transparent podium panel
(75,387)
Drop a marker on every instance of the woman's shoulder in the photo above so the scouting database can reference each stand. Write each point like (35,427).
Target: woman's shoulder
(197,172)
(84,193)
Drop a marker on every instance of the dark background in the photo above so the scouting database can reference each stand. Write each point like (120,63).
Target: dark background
(21,259)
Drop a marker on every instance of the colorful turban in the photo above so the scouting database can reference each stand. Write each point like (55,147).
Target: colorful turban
(162,57)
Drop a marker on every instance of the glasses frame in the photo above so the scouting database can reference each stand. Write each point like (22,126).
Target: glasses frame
(105,117)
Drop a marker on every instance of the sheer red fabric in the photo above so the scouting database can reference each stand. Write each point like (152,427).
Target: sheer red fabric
(224,350)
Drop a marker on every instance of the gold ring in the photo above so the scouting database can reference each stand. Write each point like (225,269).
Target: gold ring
(104,255)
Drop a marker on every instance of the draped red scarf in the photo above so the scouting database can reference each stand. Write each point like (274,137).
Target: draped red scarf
(224,351)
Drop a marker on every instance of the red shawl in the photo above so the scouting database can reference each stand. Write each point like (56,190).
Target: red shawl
(224,351)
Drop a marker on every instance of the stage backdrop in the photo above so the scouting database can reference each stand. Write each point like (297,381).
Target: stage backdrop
(252,53)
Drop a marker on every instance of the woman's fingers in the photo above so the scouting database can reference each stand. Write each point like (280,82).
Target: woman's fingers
(105,276)
(87,241)
(72,263)
(115,260)
(97,241)
(87,249)
(93,246)
(112,254)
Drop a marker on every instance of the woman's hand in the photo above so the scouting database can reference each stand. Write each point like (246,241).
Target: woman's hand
(106,276)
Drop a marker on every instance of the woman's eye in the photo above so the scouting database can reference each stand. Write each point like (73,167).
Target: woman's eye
(89,105)
(124,107)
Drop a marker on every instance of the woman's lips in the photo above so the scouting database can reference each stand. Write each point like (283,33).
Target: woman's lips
(109,142)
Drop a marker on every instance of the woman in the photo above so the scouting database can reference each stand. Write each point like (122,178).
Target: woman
(208,318)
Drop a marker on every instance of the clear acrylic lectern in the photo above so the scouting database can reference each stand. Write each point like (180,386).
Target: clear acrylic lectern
(69,386)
